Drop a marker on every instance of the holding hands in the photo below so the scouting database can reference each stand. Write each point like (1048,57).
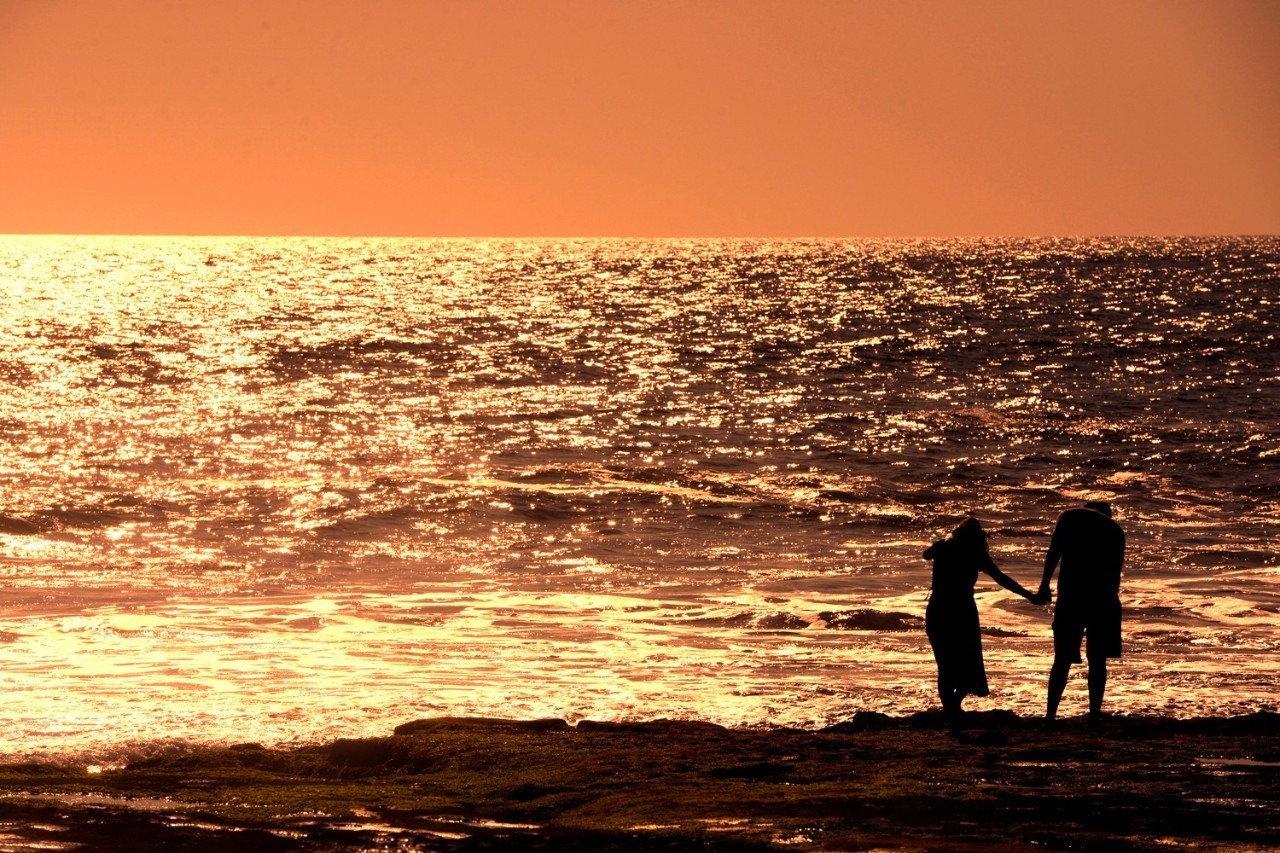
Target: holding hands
(1039,598)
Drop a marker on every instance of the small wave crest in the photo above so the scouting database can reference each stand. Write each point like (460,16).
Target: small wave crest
(871,620)
(775,621)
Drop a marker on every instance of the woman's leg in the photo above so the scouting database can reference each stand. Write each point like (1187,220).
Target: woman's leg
(952,707)
(950,694)
(945,688)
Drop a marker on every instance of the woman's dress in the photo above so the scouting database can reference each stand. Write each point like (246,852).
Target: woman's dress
(951,619)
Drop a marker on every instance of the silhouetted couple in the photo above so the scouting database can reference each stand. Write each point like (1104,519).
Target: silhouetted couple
(1090,547)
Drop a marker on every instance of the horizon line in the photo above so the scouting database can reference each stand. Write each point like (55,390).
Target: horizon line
(708,238)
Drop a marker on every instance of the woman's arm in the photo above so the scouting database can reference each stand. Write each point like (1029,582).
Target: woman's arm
(1005,581)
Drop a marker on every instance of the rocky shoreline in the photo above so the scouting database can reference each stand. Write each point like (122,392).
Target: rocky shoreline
(874,782)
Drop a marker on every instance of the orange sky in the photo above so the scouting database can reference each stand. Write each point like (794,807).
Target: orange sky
(640,118)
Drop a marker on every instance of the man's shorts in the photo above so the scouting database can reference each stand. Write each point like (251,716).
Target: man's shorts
(1099,626)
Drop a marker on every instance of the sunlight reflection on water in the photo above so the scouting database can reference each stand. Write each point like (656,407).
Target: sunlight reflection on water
(283,490)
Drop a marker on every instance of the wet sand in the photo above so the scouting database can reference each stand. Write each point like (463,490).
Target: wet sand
(873,783)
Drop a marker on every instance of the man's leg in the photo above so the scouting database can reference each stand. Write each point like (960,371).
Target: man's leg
(1097,684)
(1057,683)
(1067,634)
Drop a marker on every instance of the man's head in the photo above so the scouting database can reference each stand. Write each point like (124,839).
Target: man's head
(1099,506)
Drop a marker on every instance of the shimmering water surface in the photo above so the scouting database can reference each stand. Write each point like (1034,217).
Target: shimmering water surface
(285,490)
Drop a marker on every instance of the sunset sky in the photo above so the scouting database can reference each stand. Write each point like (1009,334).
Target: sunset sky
(653,118)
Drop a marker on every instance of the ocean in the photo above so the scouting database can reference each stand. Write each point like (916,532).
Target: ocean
(286,490)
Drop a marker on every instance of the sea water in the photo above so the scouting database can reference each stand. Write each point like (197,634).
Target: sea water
(284,490)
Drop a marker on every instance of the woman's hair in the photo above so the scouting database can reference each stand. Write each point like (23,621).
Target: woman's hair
(969,534)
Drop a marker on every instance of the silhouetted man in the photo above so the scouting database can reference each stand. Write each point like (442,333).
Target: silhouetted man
(1091,548)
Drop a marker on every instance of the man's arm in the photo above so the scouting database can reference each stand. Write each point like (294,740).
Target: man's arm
(1051,557)
(1043,595)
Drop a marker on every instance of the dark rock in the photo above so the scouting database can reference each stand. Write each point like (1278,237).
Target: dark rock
(926,720)
(1259,723)
(864,721)
(371,752)
(998,718)
(651,726)
(981,738)
(479,724)
(526,792)
(758,770)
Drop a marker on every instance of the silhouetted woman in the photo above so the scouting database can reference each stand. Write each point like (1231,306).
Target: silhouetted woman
(951,619)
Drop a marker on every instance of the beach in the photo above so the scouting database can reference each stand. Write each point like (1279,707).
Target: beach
(874,782)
